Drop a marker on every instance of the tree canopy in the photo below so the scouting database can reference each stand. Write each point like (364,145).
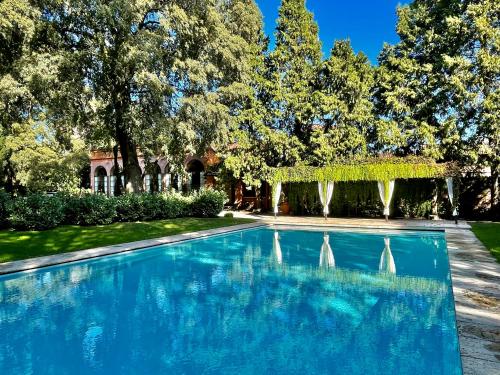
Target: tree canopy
(173,78)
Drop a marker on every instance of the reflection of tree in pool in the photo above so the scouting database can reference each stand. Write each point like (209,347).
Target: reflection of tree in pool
(206,310)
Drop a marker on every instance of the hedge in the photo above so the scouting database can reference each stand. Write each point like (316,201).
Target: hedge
(39,212)
(36,212)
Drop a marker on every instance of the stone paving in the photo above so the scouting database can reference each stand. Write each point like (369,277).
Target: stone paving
(475,275)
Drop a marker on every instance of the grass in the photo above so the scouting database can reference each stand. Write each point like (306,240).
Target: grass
(22,245)
(489,234)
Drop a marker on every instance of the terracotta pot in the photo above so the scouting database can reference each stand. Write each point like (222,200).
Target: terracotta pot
(285,208)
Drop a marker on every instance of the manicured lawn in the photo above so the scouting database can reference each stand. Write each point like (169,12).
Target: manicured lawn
(23,245)
(489,234)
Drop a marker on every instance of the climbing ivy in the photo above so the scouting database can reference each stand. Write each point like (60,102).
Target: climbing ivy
(373,169)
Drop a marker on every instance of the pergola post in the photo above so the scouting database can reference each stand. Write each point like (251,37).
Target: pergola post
(449,185)
(276,198)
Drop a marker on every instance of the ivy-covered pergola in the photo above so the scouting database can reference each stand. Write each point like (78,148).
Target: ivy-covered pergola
(384,170)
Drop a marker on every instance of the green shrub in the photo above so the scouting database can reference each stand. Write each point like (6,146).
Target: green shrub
(174,205)
(36,212)
(89,209)
(208,203)
(229,215)
(5,201)
(129,207)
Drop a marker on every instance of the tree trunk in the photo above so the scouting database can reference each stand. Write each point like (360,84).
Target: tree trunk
(131,168)
(117,173)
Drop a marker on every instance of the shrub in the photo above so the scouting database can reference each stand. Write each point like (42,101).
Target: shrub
(36,212)
(130,207)
(5,201)
(229,215)
(89,209)
(174,205)
(208,203)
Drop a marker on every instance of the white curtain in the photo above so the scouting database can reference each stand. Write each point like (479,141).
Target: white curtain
(449,184)
(386,263)
(385,189)
(276,197)
(168,179)
(326,258)
(277,255)
(325,196)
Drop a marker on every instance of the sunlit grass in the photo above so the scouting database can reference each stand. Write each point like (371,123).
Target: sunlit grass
(22,245)
(489,234)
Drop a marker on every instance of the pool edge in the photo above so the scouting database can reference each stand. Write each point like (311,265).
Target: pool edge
(79,255)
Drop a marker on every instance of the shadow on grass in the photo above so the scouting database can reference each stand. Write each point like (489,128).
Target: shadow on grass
(16,245)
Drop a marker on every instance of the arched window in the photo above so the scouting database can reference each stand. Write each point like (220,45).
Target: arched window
(153,180)
(100,181)
(196,172)
(112,181)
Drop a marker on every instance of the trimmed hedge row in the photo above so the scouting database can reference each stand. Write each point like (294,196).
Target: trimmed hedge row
(40,212)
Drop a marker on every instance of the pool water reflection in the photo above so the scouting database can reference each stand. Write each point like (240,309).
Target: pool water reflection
(256,301)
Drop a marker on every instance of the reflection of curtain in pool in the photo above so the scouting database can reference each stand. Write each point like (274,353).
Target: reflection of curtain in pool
(277,256)
(385,189)
(386,259)
(276,197)
(325,195)
(326,258)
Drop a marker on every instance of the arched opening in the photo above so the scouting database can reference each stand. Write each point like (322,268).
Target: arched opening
(196,171)
(112,181)
(100,181)
(153,179)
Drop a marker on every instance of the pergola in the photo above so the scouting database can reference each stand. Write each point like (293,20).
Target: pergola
(384,170)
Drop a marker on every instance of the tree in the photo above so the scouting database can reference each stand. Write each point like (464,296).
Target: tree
(293,67)
(437,89)
(148,76)
(40,162)
(258,145)
(26,77)
(344,86)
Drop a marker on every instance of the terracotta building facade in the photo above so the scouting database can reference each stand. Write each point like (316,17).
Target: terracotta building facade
(158,176)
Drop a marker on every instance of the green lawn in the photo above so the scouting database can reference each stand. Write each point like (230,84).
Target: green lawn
(489,234)
(23,245)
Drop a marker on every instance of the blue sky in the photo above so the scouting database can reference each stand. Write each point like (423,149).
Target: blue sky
(368,24)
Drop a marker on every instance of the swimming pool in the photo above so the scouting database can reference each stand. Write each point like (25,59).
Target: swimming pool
(246,302)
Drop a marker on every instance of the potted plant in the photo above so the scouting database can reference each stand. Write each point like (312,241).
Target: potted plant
(284,206)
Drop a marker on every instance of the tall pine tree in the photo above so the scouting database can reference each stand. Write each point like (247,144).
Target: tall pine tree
(294,66)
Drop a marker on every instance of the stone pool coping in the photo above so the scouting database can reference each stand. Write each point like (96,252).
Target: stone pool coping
(74,256)
(475,275)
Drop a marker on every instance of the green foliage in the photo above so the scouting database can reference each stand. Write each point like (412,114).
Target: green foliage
(144,207)
(293,68)
(5,201)
(88,209)
(375,169)
(208,203)
(36,212)
(149,76)
(349,199)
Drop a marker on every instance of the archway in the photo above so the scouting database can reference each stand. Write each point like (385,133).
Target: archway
(100,180)
(112,181)
(196,171)
(153,179)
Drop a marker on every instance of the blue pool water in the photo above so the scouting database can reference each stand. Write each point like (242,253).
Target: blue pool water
(250,302)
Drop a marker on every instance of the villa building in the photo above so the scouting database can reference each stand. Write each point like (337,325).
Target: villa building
(160,177)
